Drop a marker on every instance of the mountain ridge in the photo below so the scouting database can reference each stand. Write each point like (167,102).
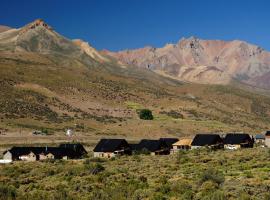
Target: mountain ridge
(223,61)
(4,28)
(52,82)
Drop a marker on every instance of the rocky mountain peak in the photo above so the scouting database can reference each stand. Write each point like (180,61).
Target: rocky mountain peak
(35,24)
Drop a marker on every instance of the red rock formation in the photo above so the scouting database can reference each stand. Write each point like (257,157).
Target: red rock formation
(35,24)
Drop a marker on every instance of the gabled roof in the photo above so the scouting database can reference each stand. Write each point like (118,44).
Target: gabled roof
(237,138)
(19,151)
(77,147)
(183,142)
(56,151)
(206,140)
(111,145)
(169,141)
(152,145)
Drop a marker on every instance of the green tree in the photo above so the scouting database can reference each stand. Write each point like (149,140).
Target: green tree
(146,114)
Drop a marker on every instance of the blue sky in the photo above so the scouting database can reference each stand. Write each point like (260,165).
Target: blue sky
(128,24)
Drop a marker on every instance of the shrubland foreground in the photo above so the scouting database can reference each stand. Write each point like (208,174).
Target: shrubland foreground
(197,174)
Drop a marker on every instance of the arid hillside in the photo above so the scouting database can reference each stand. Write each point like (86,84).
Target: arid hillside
(204,61)
(4,28)
(51,83)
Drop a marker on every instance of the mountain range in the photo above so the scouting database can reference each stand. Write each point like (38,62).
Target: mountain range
(204,61)
(48,81)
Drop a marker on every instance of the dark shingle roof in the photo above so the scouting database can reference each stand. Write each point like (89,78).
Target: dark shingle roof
(237,138)
(111,145)
(77,147)
(169,141)
(206,140)
(151,145)
(58,152)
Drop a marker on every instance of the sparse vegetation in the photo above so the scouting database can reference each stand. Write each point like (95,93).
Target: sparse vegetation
(193,175)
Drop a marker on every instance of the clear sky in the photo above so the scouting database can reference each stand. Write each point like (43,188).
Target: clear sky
(122,24)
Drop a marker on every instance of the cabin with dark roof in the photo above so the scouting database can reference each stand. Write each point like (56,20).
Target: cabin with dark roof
(169,141)
(267,138)
(108,148)
(77,147)
(238,140)
(213,141)
(154,147)
(41,153)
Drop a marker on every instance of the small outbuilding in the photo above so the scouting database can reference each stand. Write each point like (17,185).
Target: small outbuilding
(108,148)
(182,144)
(212,141)
(238,140)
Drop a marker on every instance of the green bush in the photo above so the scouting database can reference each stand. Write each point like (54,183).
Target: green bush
(212,174)
(94,168)
(7,192)
(146,114)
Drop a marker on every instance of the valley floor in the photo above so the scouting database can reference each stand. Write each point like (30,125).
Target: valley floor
(197,174)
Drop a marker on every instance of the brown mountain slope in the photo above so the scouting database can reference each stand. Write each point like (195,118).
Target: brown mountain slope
(203,61)
(4,28)
(49,82)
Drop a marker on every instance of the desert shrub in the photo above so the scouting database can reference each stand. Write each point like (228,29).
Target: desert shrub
(181,157)
(158,196)
(100,160)
(94,168)
(140,194)
(146,114)
(163,185)
(215,195)
(209,191)
(249,174)
(87,161)
(244,196)
(212,174)
(182,188)
(44,131)
(7,192)
(267,196)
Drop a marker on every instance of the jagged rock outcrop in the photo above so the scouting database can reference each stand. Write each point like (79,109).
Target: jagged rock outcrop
(35,24)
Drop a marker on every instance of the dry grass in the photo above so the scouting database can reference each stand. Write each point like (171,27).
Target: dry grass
(204,174)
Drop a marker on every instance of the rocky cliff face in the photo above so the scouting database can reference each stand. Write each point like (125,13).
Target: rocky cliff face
(203,61)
